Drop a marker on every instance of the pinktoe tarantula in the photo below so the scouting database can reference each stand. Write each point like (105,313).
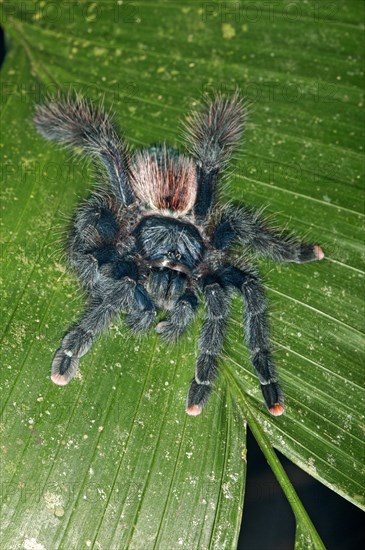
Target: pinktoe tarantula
(153,239)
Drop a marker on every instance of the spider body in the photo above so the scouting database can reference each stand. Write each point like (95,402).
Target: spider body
(153,239)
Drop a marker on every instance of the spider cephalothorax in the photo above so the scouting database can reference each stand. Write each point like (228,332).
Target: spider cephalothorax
(153,239)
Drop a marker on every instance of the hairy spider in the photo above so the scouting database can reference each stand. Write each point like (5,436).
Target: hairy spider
(152,238)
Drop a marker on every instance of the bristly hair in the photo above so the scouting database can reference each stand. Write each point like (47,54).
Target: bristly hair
(164,179)
(213,133)
(77,122)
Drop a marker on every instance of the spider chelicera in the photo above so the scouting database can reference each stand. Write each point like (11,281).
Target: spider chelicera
(153,238)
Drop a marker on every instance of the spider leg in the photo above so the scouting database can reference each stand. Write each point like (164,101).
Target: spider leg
(210,344)
(180,317)
(81,336)
(257,333)
(94,229)
(97,248)
(78,123)
(250,228)
(211,136)
(109,299)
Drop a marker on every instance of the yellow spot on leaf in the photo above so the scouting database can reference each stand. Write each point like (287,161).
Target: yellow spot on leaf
(228,31)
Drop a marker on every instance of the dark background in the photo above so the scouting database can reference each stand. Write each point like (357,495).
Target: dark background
(269,523)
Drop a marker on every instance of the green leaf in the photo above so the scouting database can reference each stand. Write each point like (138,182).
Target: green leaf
(112,461)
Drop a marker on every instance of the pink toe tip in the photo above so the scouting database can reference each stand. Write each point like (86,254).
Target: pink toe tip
(160,326)
(318,252)
(59,379)
(277,409)
(193,410)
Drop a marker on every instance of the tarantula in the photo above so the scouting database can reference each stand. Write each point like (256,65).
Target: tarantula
(152,238)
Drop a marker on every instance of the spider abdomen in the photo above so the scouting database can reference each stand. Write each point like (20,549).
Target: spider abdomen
(162,178)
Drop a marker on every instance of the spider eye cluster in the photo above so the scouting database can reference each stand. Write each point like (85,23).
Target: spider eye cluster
(174,255)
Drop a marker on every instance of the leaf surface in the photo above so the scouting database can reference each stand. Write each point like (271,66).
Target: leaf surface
(112,461)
